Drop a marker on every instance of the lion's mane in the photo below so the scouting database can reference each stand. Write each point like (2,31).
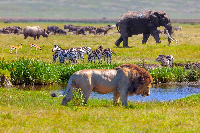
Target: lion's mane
(139,76)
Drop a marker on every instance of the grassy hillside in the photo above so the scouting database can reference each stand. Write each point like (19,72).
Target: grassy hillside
(177,9)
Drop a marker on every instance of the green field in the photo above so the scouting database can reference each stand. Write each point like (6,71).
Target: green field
(186,50)
(36,111)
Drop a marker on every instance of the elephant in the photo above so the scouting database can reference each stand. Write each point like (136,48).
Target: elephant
(146,23)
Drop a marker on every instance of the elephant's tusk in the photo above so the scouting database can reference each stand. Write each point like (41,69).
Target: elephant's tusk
(171,37)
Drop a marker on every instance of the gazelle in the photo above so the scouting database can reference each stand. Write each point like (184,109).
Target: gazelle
(35,45)
(15,47)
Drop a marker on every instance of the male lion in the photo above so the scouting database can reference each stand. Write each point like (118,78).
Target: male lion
(127,79)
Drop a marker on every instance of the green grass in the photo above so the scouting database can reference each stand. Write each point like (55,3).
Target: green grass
(186,50)
(38,68)
(36,111)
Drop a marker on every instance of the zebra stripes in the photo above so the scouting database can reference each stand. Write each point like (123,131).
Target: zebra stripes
(71,54)
(99,53)
(166,60)
(63,54)
(96,53)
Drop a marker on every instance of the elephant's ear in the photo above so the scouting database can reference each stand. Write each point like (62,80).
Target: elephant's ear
(154,18)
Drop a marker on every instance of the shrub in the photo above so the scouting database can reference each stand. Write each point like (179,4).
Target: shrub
(78,99)
(176,74)
(31,71)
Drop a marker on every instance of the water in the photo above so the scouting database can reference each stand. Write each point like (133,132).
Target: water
(161,92)
(157,94)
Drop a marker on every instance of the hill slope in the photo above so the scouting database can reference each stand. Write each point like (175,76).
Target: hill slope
(177,9)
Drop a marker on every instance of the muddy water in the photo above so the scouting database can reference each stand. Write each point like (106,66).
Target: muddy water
(161,92)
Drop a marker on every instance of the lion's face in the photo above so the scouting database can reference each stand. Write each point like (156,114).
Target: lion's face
(146,90)
(66,100)
(143,89)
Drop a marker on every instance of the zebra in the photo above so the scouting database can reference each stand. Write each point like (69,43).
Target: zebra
(55,55)
(87,49)
(95,53)
(81,52)
(64,53)
(106,53)
(177,28)
(166,60)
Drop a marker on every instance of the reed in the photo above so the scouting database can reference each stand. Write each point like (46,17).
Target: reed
(176,74)
(31,71)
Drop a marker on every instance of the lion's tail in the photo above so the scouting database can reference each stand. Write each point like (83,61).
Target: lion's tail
(67,90)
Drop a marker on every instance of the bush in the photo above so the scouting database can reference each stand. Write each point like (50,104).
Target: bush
(31,71)
(176,74)
(78,99)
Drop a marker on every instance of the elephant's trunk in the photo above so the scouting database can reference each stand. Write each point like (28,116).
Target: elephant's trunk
(169,33)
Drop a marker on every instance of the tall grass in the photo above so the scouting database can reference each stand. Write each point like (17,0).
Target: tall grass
(176,74)
(31,71)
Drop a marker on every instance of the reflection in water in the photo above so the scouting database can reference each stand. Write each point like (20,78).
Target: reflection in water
(161,92)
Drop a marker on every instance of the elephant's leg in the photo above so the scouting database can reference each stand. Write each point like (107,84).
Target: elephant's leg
(115,98)
(145,38)
(117,43)
(125,41)
(155,34)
